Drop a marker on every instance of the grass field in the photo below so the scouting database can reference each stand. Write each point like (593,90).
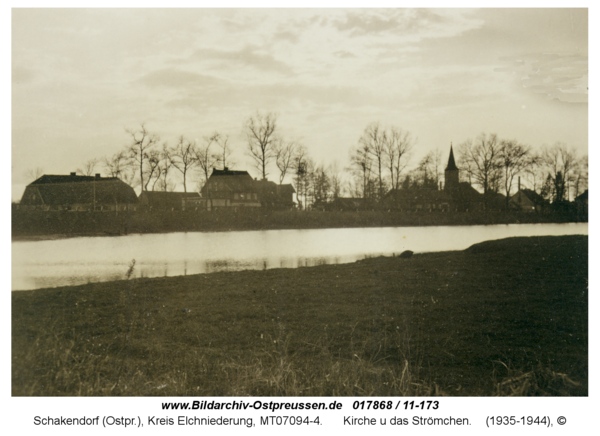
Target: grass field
(506,317)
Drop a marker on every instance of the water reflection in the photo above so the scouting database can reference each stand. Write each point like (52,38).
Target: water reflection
(75,261)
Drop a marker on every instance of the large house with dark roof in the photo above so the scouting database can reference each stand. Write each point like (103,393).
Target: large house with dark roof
(78,193)
(237,189)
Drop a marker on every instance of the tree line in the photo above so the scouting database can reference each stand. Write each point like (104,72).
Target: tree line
(380,161)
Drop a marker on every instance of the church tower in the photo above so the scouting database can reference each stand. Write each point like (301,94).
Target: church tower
(451,173)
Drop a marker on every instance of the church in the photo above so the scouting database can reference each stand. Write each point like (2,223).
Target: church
(456,196)
(463,196)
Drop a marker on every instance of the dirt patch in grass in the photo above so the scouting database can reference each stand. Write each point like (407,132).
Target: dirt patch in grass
(504,317)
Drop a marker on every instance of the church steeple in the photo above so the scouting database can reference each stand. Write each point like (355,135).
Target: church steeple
(451,164)
(451,173)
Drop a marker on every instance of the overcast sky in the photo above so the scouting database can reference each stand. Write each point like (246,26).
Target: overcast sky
(80,77)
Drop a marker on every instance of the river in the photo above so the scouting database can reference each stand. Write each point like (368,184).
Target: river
(74,261)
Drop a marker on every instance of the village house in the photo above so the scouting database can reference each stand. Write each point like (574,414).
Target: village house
(228,188)
(237,189)
(169,201)
(78,193)
(526,200)
(274,196)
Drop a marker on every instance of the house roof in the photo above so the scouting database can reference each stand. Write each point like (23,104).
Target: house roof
(583,197)
(494,200)
(228,180)
(266,186)
(63,190)
(72,178)
(286,189)
(466,193)
(533,196)
(232,184)
(228,172)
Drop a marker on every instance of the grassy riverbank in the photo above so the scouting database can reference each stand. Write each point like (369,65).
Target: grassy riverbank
(505,317)
(33,225)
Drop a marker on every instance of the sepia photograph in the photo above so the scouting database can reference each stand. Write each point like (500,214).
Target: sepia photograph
(299,202)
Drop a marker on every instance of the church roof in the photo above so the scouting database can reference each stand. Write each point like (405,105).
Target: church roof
(451,164)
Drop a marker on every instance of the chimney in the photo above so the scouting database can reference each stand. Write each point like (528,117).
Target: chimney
(73,174)
(519,183)
(97,175)
(226,169)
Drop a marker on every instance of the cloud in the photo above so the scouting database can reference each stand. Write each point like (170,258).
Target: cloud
(286,35)
(246,56)
(173,78)
(342,54)
(278,96)
(559,76)
(396,21)
(366,23)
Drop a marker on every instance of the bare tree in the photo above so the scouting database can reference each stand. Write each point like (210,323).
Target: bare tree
(309,181)
(373,142)
(361,164)
(535,173)
(353,184)
(152,169)
(559,161)
(514,158)
(142,142)
(335,179)
(482,157)
(303,166)
(205,157)
(223,142)
(321,185)
(34,173)
(166,163)
(397,147)
(184,157)
(117,165)
(580,175)
(429,169)
(260,133)
(88,167)
(285,152)
(428,172)
(466,165)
